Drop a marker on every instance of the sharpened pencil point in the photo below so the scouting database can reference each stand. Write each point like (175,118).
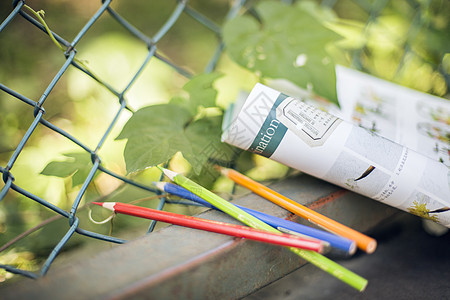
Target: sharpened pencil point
(168,173)
(107,205)
(160,185)
(222,170)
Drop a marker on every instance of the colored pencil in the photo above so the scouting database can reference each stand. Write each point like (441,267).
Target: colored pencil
(315,258)
(363,241)
(213,226)
(286,226)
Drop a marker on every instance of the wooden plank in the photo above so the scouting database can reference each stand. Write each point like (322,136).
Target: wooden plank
(181,263)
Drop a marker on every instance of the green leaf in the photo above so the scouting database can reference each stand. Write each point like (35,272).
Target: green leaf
(204,138)
(155,133)
(158,132)
(288,43)
(78,166)
(320,12)
(207,177)
(201,93)
(433,43)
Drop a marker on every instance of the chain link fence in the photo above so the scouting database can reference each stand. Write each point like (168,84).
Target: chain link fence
(37,107)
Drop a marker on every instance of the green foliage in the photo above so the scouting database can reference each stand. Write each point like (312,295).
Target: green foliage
(156,133)
(201,93)
(286,42)
(77,166)
(282,41)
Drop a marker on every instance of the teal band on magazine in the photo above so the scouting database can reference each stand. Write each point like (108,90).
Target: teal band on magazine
(271,132)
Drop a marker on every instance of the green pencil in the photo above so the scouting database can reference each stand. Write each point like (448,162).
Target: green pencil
(315,258)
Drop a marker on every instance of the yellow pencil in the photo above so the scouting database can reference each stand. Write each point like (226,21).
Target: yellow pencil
(363,241)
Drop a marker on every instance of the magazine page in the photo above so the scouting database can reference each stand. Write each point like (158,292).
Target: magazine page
(303,137)
(411,118)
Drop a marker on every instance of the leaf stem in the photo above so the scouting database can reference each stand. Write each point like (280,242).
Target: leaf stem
(40,16)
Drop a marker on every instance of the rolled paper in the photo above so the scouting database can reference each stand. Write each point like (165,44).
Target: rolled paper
(308,139)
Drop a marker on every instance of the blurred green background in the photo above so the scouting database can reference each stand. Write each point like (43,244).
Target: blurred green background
(406,42)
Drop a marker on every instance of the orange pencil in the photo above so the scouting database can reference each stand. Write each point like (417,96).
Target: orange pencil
(363,241)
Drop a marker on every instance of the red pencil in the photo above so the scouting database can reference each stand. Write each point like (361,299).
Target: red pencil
(214,226)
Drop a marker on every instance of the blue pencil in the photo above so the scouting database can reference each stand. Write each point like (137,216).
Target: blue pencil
(335,241)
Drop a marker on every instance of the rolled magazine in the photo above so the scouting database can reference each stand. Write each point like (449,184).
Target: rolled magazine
(303,137)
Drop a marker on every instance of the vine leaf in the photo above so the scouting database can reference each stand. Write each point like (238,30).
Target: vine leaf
(78,165)
(285,42)
(204,137)
(201,93)
(156,133)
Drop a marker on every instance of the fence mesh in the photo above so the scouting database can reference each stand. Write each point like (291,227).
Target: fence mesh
(37,108)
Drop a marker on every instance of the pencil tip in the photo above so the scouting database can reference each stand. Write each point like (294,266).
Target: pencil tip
(108,205)
(98,203)
(159,185)
(222,170)
(168,173)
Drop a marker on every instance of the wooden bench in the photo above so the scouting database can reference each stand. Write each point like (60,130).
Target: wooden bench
(181,263)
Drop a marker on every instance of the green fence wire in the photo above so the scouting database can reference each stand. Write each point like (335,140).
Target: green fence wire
(37,107)
(38,111)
